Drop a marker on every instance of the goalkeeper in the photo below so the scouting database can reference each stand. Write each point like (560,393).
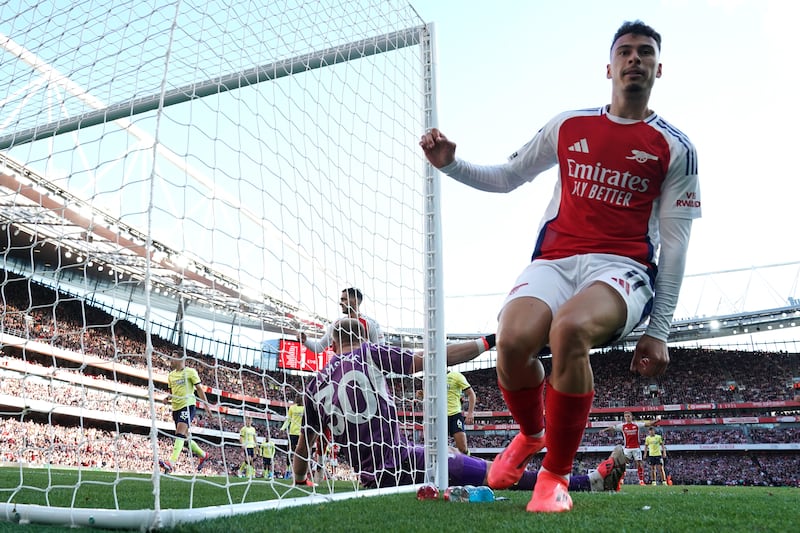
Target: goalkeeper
(363,420)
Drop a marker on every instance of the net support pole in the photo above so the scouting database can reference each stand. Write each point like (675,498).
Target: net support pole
(435,380)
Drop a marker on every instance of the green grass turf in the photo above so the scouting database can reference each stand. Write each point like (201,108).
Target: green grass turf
(106,490)
(635,508)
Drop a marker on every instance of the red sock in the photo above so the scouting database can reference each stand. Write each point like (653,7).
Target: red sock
(527,408)
(640,471)
(567,415)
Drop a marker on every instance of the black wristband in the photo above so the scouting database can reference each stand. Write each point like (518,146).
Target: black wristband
(490,340)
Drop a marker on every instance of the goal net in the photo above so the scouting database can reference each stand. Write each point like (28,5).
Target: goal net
(193,183)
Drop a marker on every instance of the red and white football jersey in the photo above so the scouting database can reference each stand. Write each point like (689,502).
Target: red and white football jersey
(631,433)
(616,178)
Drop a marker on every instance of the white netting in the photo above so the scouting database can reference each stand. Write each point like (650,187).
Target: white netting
(199,179)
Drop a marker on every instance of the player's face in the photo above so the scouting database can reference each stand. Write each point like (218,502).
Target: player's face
(347,302)
(634,63)
(628,417)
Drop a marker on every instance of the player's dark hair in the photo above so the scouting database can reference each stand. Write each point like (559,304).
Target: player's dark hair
(352,291)
(637,27)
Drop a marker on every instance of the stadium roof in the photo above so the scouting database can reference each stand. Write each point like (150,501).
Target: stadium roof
(57,231)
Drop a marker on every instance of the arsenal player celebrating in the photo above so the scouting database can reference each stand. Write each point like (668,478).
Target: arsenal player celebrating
(632,448)
(609,252)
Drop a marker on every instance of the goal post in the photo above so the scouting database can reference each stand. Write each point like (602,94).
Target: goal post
(435,380)
(199,181)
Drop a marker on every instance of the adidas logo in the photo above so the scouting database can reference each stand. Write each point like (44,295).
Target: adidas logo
(624,284)
(581,146)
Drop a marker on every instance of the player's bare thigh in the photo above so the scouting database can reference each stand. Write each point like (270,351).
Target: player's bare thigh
(522,332)
(590,318)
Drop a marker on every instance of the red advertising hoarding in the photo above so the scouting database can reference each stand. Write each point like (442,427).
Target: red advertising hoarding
(294,356)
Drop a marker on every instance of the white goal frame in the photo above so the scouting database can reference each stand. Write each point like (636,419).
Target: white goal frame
(158,263)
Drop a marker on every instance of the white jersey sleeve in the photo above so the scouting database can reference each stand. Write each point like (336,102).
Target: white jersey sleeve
(374,332)
(319,345)
(671,265)
(536,156)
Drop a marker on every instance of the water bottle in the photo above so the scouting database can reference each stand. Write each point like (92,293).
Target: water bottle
(481,494)
(466,494)
(453,493)
(428,492)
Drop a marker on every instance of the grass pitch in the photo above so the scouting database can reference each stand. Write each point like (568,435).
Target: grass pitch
(634,509)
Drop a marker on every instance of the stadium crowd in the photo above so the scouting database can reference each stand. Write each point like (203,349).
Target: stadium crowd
(695,376)
(30,311)
(41,444)
(34,312)
(36,443)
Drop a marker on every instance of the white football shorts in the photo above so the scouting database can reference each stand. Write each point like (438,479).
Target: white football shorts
(556,281)
(633,454)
